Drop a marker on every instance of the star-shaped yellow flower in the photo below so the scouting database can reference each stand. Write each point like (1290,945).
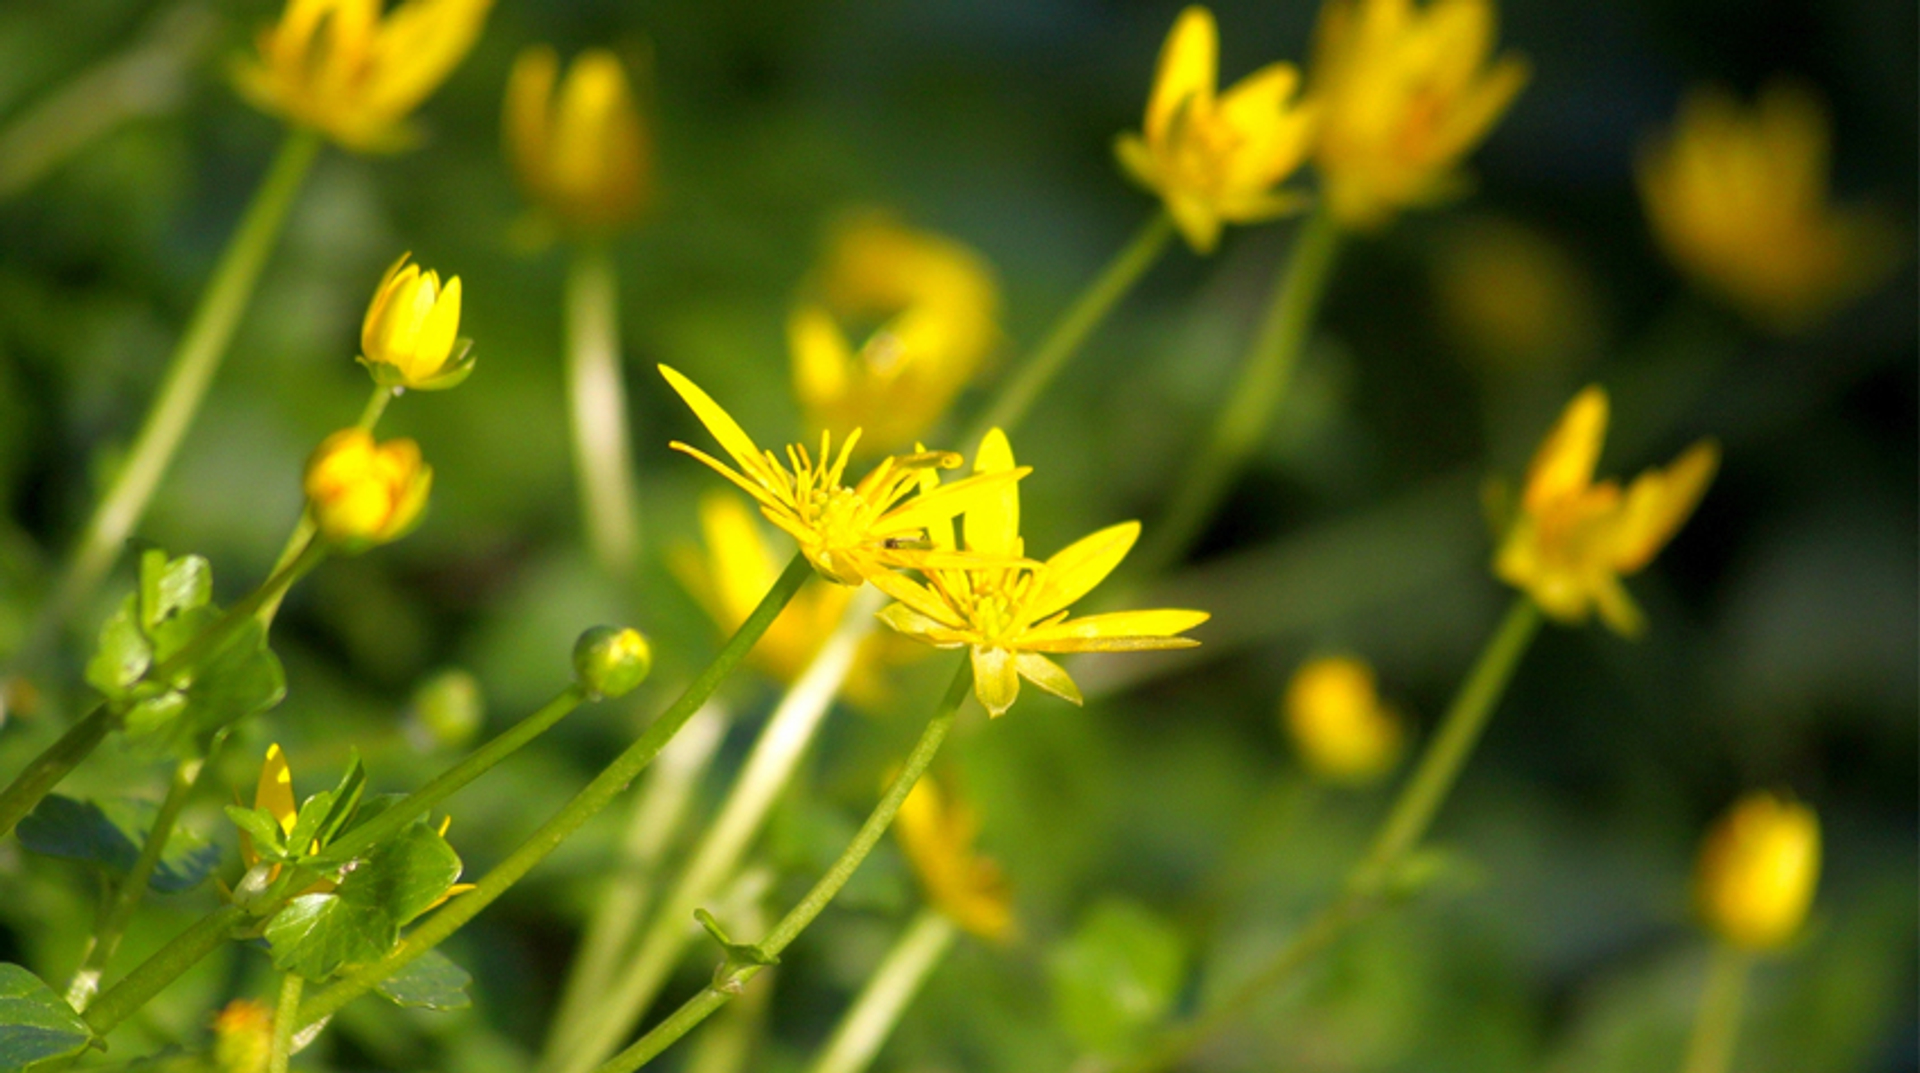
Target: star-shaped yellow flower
(850,535)
(1574,539)
(1217,160)
(1010,615)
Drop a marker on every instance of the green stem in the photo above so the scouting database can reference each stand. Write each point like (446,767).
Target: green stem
(722,991)
(189,373)
(870,1020)
(1716,1028)
(1120,275)
(602,455)
(285,1016)
(302,535)
(166,965)
(594,797)
(1247,414)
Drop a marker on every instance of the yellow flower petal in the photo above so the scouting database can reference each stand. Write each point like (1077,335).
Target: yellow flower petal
(274,792)
(732,438)
(1048,675)
(1188,70)
(1073,571)
(1658,503)
(992,523)
(1118,631)
(1565,462)
(995,680)
(918,597)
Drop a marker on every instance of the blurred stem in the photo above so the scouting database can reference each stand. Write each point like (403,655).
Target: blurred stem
(303,531)
(1247,413)
(768,769)
(189,373)
(609,502)
(166,965)
(1018,395)
(733,977)
(586,804)
(1716,1028)
(889,991)
(285,1016)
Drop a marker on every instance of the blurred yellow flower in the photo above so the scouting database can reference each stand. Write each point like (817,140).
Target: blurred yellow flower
(1008,615)
(1338,723)
(410,337)
(1738,197)
(583,156)
(1217,160)
(936,305)
(1573,539)
(1758,869)
(849,534)
(1513,295)
(354,74)
(366,493)
(242,1037)
(1405,93)
(937,833)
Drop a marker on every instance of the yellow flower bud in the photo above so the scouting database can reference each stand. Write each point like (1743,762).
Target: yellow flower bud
(242,1037)
(1337,722)
(610,662)
(366,493)
(410,337)
(937,833)
(1758,869)
(584,155)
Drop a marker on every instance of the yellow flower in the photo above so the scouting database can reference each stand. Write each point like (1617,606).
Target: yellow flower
(1342,730)
(583,157)
(1406,92)
(1217,160)
(1739,199)
(242,1037)
(1574,539)
(273,792)
(936,305)
(849,534)
(1009,615)
(366,493)
(937,832)
(1758,868)
(410,335)
(355,75)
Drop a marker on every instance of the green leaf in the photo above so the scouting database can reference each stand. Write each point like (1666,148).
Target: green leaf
(313,812)
(36,1025)
(346,799)
(431,981)
(110,832)
(318,934)
(262,829)
(170,587)
(124,653)
(406,875)
(1117,976)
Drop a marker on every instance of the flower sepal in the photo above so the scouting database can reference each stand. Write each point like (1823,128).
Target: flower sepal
(459,366)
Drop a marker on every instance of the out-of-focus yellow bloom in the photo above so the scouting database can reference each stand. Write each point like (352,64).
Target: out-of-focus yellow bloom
(410,337)
(1405,93)
(937,832)
(1573,539)
(583,156)
(850,535)
(1010,615)
(1512,295)
(1739,199)
(354,74)
(366,493)
(936,304)
(1337,721)
(1217,160)
(1758,869)
(242,1037)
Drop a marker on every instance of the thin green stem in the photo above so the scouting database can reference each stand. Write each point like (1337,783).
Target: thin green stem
(724,988)
(1018,395)
(1247,412)
(166,965)
(594,797)
(888,993)
(285,1016)
(302,535)
(1716,1028)
(189,373)
(602,455)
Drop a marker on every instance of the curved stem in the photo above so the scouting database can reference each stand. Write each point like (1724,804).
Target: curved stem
(285,1015)
(727,983)
(609,500)
(891,988)
(1009,407)
(1716,1028)
(166,965)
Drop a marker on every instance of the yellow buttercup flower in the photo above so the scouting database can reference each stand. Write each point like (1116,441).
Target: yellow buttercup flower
(936,305)
(410,337)
(1336,719)
(850,535)
(354,74)
(1010,615)
(937,833)
(366,493)
(583,156)
(1758,869)
(1405,93)
(1738,197)
(1573,539)
(1218,160)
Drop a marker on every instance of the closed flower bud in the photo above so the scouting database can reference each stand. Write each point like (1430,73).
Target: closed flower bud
(410,335)
(610,662)
(1335,718)
(365,493)
(582,155)
(1758,869)
(242,1037)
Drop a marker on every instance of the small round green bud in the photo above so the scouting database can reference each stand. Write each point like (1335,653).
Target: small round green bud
(609,662)
(447,711)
